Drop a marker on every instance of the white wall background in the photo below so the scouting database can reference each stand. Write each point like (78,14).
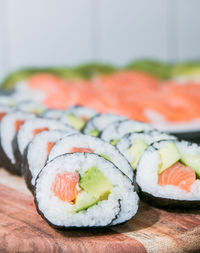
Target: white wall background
(69,32)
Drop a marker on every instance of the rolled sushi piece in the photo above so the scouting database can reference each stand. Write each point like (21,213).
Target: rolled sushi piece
(52,114)
(168,174)
(7,100)
(32,107)
(99,122)
(9,127)
(4,109)
(33,127)
(89,144)
(77,116)
(84,190)
(133,145)
(37,152)
(114,132)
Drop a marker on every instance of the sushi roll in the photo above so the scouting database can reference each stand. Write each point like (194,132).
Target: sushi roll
(77,116)
(52,114)
(84,190)
(90,144)
(99,122)
(168,174)
(4,109)
(37,153)
(132,145)
(9,127)
(7,100)
(32,107)
(31,128)
(114,132)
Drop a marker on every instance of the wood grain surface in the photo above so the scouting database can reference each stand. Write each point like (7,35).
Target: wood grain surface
(151,230)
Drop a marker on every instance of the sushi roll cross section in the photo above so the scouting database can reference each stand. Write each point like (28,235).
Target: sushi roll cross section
(32,107)
(84,190)
(52,114)
(99,122)
(9,127)
(77,116)
(168,174)
(37,153)
(33,127)
(89,144)
(114,132)
(133,145)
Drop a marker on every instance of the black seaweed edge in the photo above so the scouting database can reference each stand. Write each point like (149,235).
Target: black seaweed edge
(78,227)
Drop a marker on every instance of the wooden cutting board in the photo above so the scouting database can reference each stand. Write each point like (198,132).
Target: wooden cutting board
(151,230)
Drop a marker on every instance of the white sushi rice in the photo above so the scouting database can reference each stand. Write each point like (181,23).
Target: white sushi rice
(25,134)
(148,137)
(39,146)
(31,106)
(52,114)
(61,213)
(4,109)
(97,145)
(101,121)
(116,130)
(78,111)
(7,100)
(8,131)
(147,174)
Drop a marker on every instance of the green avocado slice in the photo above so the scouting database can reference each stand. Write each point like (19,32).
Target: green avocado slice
(193,161)
(95,183)
(169,154)
(84,201)
(136,150)
(94,132)
(76,122)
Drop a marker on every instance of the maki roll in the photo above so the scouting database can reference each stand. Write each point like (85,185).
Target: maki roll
(99,122)
(41,144)
(32,107)
(84,190)
(52,114)
(4,109)
(114,132)
(31,128)
(9,127)
(132,145)
(89,144)
(77,116)
(7,100)
(168,174)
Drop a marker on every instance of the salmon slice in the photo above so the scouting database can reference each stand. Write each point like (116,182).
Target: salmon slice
(85,119)
(65,186)
(39,130)
(18,123)
(178,175)
(2,114)
(49,147)
(81,150)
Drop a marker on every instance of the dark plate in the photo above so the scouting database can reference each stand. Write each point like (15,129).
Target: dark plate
(192,136)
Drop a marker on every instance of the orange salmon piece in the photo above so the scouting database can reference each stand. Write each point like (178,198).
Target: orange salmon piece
(81,150)
(39,130)
(49,147)
(2,114)
(178,175)
(64,186)
(18,123)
